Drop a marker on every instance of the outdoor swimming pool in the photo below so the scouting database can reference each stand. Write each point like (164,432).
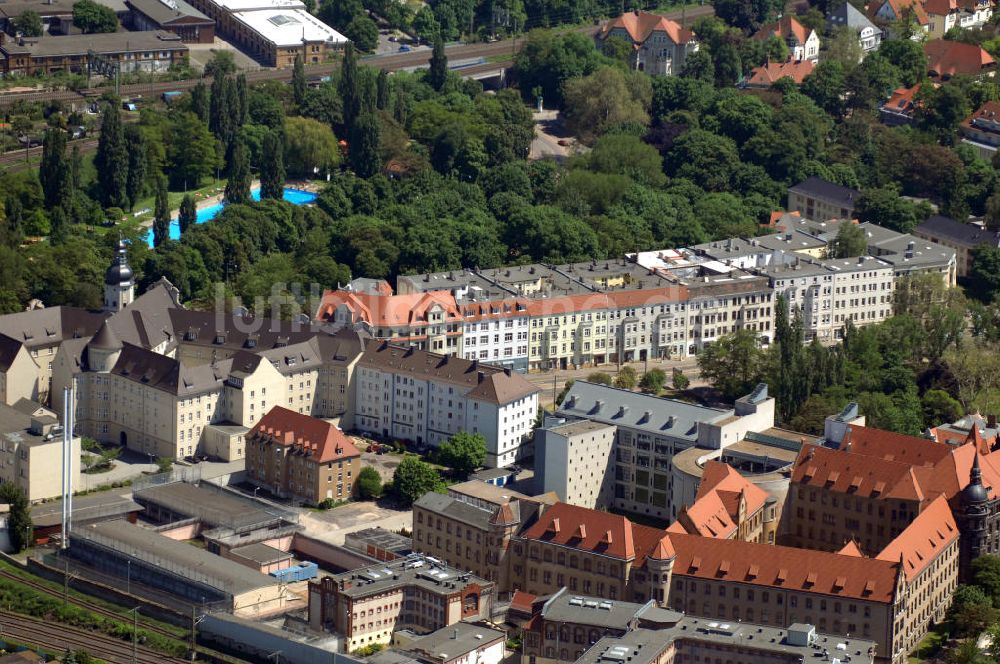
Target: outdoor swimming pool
(293,196)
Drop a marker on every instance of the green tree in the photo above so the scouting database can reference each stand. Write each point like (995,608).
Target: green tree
(92,17)
(362,31)
(825,86)
(222,109)
(190,151)
(19,526)
(135,145)
(940,408)
(347,86)
(548,59)
(111,161)
(188,214)
(161,216)
(437,72)
(627,378)
(382,90)
(849,242)
(699,66)
(940,110)
(164,464)
(58,225)
(363,146)
(242,102)
(221,64)
(986,574)
(600,378)
(53,171)
(272,167)
(626,155)
(678,380)
(608,97)
(885,207)
(746,14)
(464,452)
(200,103)
(28,24)
(908,57)
(971,610)
(413,478)
(734,363)
(567,386)
(369,484)
(238,185)
(985,273)
(299,82)
(653,381)
(310,147)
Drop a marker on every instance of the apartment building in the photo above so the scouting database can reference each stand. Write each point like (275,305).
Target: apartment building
(817,198)
(650,431)
(150,52)
(31,451)
(366,606)
(874,484)
(273,31)
(981,130)
(572,462)
(304,458)
(963,238)
(661,46)
(427,397)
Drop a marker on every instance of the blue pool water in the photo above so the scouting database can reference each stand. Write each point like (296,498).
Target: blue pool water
(293,196)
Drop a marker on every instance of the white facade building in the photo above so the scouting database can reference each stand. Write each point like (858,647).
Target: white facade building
(425,397)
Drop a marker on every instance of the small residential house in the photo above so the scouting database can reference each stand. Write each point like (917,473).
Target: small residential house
(947,58)
(981,130)
(892,11)
(849,16)
(944,15)
(901,106)
(819,199)
(661,45)
(803,43)
(770,73)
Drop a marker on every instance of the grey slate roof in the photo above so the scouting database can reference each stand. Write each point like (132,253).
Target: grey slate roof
(454,641)
(968,235)
(663,417)
(566,606)
(455,509)
(109,43)
(95,507)
(848,15)
(167,374)
(828,191)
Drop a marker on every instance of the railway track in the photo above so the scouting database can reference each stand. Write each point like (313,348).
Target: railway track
(389,62)
(58,638)
(89,606)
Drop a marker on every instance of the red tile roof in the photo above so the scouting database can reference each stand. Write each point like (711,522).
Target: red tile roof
(923,540)
(640,25)
(784,567)
(522,601)
(947,58)
(715,511)
(892,446)
(598,532)
(323,441)
(902,100)
(388,310)
(899,8)
(770,73)
(851,549)
(785,28)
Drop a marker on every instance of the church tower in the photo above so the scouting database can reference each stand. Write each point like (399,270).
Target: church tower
(119,285)
(972,519)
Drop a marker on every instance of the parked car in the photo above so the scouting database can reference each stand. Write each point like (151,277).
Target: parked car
(403,48)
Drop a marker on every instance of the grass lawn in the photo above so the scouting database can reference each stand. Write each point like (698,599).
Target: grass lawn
(930,645)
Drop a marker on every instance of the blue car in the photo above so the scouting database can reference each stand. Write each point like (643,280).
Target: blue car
(404,48)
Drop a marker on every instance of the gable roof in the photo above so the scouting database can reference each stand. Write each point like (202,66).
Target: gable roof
(902,101)
(899,8)
(388,310)
(957,232)
(784,567)
(850,16)
(598,532)
(844,197)
(640,25)
(167,374)
(923,540)
(320,441)
(947,58)
(771,72)
(787,27)
(715,510)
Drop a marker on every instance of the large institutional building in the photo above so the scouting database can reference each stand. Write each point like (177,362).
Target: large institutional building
(169,382)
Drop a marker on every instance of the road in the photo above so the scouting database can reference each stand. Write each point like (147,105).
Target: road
(551,382)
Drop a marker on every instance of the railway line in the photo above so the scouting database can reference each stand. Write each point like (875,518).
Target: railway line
(58,637)
(389,62)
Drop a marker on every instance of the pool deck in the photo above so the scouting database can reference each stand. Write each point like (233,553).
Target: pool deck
(219,195)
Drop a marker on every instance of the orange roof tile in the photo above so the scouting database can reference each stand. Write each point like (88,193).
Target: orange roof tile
(770,73)
(388,310)
(947,58)
(786,28)
(902,100)
(891,446)
(851,549)
(924,539)
(899,8)
(784,567)
(841,471)
(522,601)
(640,25)
(321,440)
(605,533)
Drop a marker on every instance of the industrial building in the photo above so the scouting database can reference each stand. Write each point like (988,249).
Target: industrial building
(147,557)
